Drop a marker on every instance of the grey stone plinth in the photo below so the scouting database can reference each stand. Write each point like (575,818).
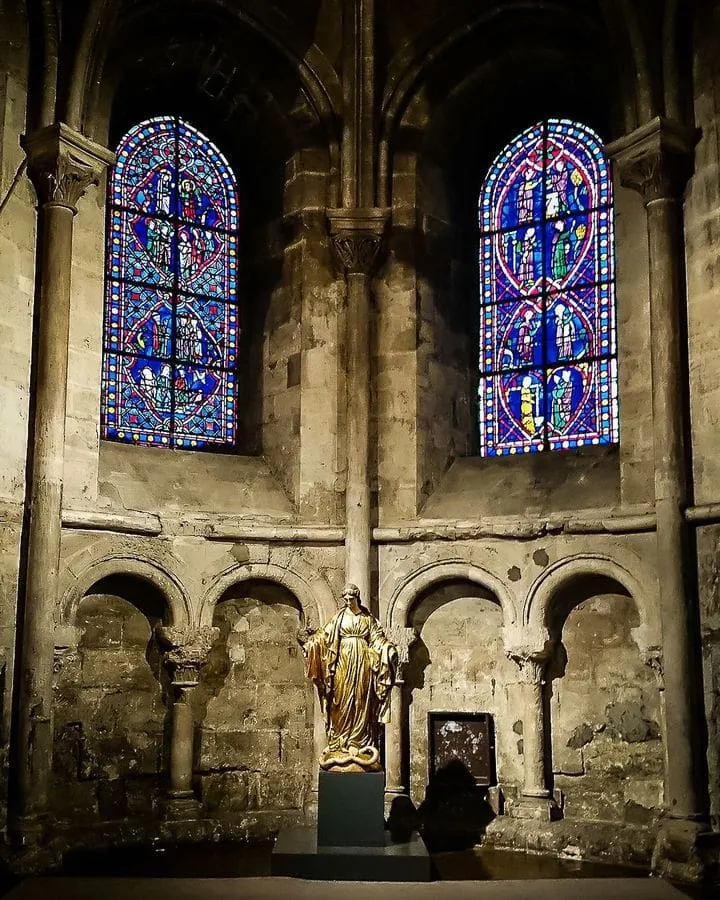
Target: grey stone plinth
(296,854)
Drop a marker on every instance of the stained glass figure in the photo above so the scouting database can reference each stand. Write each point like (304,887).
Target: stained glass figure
(548,369)
(171,318)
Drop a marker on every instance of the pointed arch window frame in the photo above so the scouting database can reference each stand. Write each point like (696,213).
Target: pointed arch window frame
(211,304)
(512,381)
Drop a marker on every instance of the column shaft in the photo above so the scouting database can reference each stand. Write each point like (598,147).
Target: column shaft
(35,738)
(181,747)
(394,744)
(683,793)
(357,497)
(534,741)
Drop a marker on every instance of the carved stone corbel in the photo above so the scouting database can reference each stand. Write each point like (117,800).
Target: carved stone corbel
(357,238)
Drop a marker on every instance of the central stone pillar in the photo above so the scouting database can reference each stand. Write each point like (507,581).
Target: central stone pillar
(657,161)
(62,165)
(536,801)
(357,239)
(186,653)
(395,749)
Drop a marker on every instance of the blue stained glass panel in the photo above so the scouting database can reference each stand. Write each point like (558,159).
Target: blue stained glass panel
(547,289)
(205,402)
(171,315)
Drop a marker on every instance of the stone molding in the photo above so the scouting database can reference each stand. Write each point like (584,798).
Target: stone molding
(186,651)
(63,164)
(357,237)
(656,159)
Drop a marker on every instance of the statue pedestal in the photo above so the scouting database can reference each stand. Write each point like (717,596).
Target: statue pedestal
(351,809)
(350,842)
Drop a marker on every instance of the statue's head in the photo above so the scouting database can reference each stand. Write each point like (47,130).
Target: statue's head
(351,592)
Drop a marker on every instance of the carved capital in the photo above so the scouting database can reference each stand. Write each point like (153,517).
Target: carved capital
(357,237)
(63,164)
(656,160)
(532,663)
(654,661)
(186,650)
(403,638)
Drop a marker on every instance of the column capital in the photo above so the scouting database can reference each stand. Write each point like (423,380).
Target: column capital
(656,159)
(403,638)
(531,662)
(63,164)
(357,237)
(186,651)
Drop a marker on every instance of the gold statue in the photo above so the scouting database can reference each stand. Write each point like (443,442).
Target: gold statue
(353,666)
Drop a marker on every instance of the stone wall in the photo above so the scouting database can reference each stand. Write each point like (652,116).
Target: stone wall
(255,708)
(252,542)
(110,715)
(607,750)
(17,285)
(458,664)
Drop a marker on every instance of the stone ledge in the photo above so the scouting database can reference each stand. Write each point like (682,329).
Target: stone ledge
(595,841)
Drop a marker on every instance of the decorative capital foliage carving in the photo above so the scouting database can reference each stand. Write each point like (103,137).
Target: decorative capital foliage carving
(403,638)
(186,650)
(654,661)
(656,160)
(357,237)
(532,663)
(63,164)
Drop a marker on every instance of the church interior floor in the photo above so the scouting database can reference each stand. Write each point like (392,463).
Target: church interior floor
(227,871)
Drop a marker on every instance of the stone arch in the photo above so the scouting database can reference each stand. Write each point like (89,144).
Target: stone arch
(413,65)
(316,74)
(436,573)
(120,564)
(538,606)
(313,593)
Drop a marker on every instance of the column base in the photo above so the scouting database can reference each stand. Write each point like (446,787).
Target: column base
(686,851)
(391,793)
(182,805)
(541,809)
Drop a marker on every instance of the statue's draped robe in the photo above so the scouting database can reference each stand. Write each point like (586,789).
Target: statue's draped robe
(352,664)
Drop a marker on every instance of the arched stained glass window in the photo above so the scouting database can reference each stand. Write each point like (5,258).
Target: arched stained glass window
(548,359)
(171,316)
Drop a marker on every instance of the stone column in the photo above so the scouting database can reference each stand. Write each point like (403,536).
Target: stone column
(657,160)
(395,749)
(357,238)
(62,165)
(536,801)
(186,653)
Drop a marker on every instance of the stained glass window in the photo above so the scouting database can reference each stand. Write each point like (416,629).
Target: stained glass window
(171,318)
(548,358)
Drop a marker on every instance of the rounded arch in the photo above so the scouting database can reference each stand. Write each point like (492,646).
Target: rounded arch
(316,74)
(436,573)
(120,564)
(313,593)
(416,63)
(538,606)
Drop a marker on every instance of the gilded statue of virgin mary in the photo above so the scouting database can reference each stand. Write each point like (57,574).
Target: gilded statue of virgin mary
(353,666)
